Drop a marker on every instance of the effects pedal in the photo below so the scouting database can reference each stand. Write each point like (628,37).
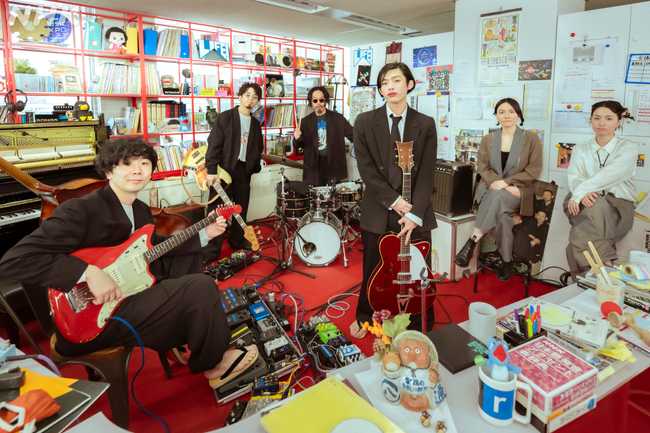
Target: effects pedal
(348,354)
(237,412)
(236,318)
(266,385)
(232,300)
(258,311)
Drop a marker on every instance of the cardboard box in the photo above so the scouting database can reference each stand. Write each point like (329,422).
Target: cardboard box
(559,378)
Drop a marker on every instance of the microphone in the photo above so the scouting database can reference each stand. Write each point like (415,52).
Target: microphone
(308,248)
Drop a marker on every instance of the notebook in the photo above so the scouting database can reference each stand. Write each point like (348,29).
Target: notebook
(456,347)
(323,407)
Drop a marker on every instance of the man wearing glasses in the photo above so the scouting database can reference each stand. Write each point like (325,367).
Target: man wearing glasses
(235,143)
(322,137)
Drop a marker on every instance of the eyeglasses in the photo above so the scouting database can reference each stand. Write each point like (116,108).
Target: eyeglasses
(317,100)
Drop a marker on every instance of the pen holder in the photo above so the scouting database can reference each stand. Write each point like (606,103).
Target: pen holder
(515,339)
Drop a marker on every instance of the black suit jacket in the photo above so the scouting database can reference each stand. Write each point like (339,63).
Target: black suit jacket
(42,259)
(374,151)
(224,142)
(337,128)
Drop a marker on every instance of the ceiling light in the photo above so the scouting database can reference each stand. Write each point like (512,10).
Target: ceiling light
(303,6)
(375,24)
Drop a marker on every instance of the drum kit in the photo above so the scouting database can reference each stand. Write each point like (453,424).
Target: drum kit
(315,220)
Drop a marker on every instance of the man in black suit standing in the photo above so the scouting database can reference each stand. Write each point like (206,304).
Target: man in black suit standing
(382,208)
(322,136)
(235,143)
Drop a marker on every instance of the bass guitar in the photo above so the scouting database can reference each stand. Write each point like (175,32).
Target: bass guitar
(396,280)
(75,315)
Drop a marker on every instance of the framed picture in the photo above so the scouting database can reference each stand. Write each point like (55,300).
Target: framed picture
(394,52)
(363,75)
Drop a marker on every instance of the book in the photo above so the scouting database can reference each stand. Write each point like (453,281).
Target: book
(456,347)
(131,39)
(322,407)
(93,34)
(563,417)
(575,324)
(150,37)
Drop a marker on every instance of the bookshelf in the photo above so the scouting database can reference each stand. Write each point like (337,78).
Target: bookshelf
(165,77)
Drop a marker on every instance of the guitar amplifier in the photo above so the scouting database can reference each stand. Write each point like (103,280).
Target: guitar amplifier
(453,184)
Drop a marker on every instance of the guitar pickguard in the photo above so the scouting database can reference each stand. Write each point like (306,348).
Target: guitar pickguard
(130,273)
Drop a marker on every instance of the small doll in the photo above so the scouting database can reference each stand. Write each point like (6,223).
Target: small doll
(116,39)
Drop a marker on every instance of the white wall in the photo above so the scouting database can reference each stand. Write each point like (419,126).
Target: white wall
(626,27)
(444,43)
(536,40)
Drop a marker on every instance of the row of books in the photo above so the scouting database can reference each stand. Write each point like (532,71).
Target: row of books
(170,157)
(121,78)
(159,112)
(167,42)
(35,83)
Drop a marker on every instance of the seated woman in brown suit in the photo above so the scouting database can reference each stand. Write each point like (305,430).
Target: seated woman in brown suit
(509,161)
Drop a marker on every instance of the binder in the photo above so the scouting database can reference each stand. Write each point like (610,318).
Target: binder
(185,45)
(150,41)
(131,40)
(93,35)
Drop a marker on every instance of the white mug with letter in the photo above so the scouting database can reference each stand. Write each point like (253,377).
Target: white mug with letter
(496,399)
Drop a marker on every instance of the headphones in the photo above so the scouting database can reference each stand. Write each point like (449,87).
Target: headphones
(19,105)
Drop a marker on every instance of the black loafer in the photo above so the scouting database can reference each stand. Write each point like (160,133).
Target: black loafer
(505,271)
(465,254)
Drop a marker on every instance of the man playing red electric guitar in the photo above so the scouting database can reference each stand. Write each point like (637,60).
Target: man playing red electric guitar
(383,209)
(182,307)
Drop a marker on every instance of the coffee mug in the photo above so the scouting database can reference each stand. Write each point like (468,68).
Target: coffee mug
(482,321)
(496,399)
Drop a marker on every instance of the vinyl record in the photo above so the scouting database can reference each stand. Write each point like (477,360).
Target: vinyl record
(259,59)
(286,61)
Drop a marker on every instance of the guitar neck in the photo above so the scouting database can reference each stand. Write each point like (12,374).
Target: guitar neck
(226,200)
(179,238)
(406,195)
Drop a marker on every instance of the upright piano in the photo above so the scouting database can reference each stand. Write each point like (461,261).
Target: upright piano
(53,153)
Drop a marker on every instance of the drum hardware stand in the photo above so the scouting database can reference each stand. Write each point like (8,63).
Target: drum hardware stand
(348,236)
(284,262)
(425,283)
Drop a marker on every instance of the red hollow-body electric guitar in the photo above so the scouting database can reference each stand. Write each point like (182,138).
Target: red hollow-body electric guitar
(396,281)
(77,318)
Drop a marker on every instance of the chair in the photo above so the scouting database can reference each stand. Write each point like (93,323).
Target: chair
(109,365)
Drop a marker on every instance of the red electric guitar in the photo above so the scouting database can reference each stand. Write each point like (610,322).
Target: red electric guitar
(395,282)
(73,312)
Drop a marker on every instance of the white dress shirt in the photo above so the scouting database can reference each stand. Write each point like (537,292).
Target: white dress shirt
(608,169)
(400,126)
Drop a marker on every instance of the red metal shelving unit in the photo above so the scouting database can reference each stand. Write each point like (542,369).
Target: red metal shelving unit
(79,14)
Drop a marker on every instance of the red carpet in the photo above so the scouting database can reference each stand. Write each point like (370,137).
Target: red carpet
(186,401)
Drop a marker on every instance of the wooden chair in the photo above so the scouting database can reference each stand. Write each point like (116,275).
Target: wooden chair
(109,365)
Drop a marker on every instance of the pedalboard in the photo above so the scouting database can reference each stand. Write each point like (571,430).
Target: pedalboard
(228,266)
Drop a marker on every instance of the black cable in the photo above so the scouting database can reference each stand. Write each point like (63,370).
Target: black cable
(547,268)
(142,408)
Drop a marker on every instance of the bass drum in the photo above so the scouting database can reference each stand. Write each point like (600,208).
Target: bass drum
(318,239)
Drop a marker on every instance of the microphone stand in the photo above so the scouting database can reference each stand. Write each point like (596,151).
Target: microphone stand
(284,263)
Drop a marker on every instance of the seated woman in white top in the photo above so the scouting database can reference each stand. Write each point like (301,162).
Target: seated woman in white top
(600,206)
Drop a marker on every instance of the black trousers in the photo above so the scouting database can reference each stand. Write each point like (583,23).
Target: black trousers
(183,309)
(371,258)
(239,192)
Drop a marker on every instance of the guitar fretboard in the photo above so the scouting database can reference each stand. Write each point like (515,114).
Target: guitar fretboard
(405,249)
(226,200)
(177,239)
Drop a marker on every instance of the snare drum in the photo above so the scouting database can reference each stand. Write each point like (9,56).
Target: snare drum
(295,203)
(322,198)
(348,194)
(318,238)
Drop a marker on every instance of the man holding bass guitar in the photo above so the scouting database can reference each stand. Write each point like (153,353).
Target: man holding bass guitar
(235,143)
(182,307)
(383,209)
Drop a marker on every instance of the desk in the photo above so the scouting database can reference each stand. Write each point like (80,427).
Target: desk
(94,389)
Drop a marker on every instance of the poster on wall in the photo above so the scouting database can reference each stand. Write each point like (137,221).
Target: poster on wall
(438,79)
(362,99)
(467,145)
(535,69)
(362,56)
(564,151)
(394,52)
(363,75)
(638,69)
(498,48)
(425,56)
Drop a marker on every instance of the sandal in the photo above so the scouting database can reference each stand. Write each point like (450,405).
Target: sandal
(357,331)
(243,362)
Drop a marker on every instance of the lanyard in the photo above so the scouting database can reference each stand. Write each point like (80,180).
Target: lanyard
(602,163)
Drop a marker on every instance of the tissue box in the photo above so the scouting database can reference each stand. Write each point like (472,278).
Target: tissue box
(558,377)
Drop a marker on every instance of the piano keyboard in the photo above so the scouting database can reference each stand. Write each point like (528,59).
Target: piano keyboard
(18,216)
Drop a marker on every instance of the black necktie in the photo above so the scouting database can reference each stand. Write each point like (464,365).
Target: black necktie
(394,172)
